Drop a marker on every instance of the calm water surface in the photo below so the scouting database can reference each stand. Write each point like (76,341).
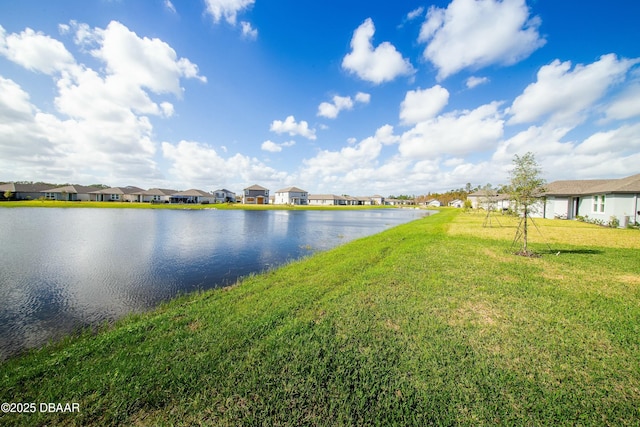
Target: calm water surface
(65,269)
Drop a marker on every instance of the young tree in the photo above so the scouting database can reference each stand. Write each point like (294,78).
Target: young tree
(526,187)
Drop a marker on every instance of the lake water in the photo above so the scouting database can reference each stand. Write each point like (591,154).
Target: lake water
(66,269)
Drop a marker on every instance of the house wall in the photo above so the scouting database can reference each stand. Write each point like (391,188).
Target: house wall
(292,197)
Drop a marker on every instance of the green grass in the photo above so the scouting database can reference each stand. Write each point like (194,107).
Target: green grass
(423,324)
(135,205)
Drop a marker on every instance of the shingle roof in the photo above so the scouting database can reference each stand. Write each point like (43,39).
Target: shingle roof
(630,184)
(291,190)
(193,192)
(256,187)
(71,189)
(23,188)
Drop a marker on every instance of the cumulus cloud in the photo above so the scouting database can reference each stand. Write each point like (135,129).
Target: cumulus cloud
(35,51)
(293,128)
(563,94)
(473,34)
(275,147)
(457,133)
(197,164)
(328,162)
(376,65)
(331,110)
(227,9)
(100,129)
(420,105)
(149,63)
(169,6)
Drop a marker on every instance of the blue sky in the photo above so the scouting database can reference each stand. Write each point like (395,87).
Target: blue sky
(343,97)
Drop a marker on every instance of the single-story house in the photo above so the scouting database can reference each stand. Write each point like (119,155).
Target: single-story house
(192,196)
(490,200)
(255,195)
(117,194)
(69,193)
(155,195)
(327,200)
(224,196)
(456,203)
(291,196)
(22,191)
(599,199)
(434,203)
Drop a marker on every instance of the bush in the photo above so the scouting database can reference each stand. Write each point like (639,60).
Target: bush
(614,222)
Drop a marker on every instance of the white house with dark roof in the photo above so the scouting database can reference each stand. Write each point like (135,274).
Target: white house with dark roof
(599,199)
(255,195)
(291,196)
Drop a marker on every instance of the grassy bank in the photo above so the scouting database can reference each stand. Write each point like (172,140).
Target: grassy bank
(431,322)
(134,205)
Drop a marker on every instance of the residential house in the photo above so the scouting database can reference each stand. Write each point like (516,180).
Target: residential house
(327,200)
(434,203)
(377,200)
(490,200)
(600,199)
(224,196)
(155,195)
(256,195)
(69,193)
(456,203)
(117,194)
(291,196)
(22,191)
(193,196)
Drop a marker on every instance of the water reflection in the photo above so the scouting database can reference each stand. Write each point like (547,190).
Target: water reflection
(64,269)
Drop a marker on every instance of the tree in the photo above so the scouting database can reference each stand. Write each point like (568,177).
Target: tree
(526,187)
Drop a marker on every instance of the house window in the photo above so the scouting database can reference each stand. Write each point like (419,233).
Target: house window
(115,197)
(595,203)
(602,203)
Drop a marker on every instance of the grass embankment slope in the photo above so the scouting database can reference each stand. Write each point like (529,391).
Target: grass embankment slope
(431,322)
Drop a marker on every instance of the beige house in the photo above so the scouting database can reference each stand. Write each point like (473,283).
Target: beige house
(69,193)
(22,191)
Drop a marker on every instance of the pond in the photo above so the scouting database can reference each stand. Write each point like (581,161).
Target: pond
(67,269)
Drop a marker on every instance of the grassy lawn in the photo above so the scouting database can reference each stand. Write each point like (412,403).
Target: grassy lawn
(429,323)
(133,205)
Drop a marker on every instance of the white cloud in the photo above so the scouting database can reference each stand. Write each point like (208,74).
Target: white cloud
(362,97)
(377,65)
(456,133)
(248,31)
(564,94)
(227,9)
(474,34)
(624,140)
(144,62)
(290,126)
(327,163)
(100,130)
(275,147)
(474,81)
(420,105)
(415,13)
(35,51)
(197,165)
(626,105)
(331,110)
